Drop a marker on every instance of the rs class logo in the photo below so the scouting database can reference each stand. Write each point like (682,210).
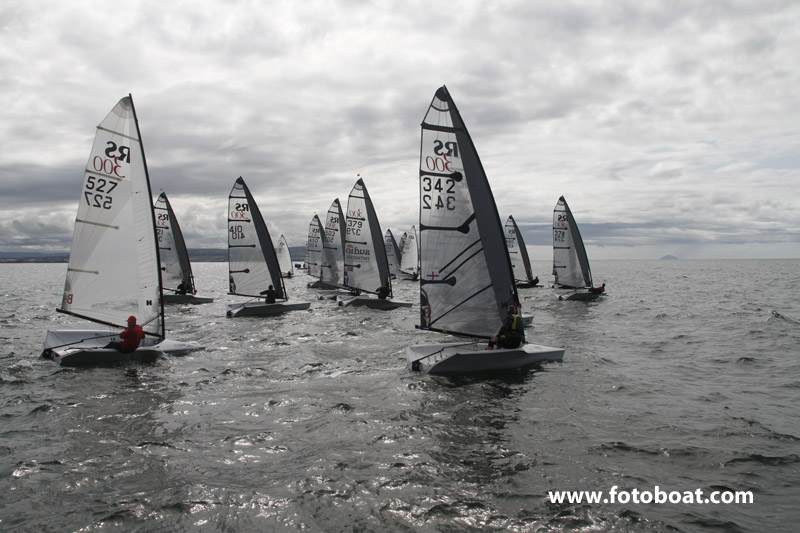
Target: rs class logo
(449,148)
(120,153)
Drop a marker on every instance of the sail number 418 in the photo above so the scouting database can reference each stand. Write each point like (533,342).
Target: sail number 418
(448,201)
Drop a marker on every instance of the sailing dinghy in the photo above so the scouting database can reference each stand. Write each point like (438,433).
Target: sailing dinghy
(466,282)
(518,253)
(176,269)
(393,255)
(113,269)
(409,263)
(314,250)
(331,282)
(573,277)
(284,258)
(366,268)
(252,261)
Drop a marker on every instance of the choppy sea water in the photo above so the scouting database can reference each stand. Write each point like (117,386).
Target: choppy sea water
(686,376)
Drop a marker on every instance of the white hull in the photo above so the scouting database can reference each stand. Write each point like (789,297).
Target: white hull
(577,294)
(85,348)
(372,303)
(461,358)
(527,321)
(186,299)
(265,309)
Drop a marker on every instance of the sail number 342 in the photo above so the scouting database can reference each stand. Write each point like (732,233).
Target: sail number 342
(444,193)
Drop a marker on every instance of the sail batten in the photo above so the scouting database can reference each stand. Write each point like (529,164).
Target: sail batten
(459,231)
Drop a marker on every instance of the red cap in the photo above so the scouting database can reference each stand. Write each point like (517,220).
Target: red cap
(131,318)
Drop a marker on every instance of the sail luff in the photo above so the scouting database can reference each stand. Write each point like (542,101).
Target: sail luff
(152,220)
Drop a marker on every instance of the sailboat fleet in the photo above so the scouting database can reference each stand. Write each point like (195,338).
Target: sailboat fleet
(129,258)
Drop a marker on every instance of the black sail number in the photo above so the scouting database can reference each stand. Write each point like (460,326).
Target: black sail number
(97,192)
(440,193)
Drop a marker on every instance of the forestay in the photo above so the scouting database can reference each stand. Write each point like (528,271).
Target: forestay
(252,263)
(284,257)
(466,281)
(517,252)
(113,269)
(314,248)
(366,266)
(175,265)
(570,263)
(333,246)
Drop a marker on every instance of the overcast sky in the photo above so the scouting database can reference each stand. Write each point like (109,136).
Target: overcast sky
(670,127)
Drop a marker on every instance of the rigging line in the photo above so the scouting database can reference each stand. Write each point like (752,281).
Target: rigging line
(460,304)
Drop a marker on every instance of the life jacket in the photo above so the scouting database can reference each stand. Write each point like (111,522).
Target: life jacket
(515,323)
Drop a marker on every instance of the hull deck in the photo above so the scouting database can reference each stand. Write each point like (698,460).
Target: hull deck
(463,358)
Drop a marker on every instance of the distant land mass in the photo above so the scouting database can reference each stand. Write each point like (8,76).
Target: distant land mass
(669,257)
(196,255)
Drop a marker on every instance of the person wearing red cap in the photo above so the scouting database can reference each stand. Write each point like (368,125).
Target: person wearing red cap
(131,337)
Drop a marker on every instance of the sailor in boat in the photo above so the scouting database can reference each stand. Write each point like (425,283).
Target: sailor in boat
(270,295)
(511,334)
(383,292)
(183,288)
(535,281)
(598,290)
(131,337)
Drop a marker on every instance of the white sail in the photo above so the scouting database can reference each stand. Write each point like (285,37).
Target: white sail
(409,259)
(284,257)
(113,269)
(570,263)
(466,283)
(392,253)
(333,246)
(402,244)
(252,263)
(175,265)
(314,248)
(366,266)
(517,252)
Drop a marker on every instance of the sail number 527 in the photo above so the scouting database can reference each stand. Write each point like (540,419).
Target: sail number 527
(445,193)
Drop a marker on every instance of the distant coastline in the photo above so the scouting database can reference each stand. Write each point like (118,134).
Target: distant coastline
(196,255)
